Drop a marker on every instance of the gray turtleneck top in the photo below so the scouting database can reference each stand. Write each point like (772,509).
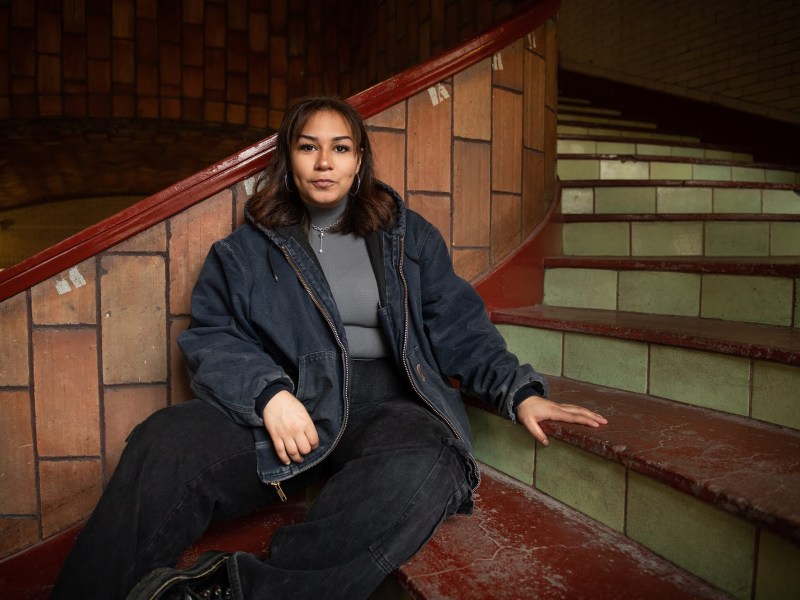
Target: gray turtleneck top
(347,268)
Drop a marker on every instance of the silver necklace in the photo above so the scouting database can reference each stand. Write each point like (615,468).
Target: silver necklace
(323,230)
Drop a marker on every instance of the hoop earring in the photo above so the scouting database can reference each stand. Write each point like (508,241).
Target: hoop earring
(358,187)
(286,183)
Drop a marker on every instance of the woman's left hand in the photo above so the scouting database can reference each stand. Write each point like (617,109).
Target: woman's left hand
(535,409)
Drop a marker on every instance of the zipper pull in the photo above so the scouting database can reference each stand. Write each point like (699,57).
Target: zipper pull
(279,490)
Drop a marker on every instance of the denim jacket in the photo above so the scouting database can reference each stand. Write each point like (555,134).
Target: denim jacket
(263,315)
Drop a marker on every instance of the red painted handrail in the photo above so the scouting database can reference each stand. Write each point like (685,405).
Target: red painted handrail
(201,185)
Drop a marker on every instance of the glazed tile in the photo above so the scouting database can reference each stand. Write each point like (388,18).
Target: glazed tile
(731,238)
(611,362)
(670,170)
(776,393)
(666,239)
(584,481)
(567,287)
(606,239)
(625,200)
(684,200)
(753,299)
(732,200)
(702,539)
(659,293)
(541,348)
(703,379)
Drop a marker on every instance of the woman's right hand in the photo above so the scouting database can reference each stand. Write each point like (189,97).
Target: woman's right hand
(290,427)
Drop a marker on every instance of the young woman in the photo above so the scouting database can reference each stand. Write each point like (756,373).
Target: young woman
(324,334)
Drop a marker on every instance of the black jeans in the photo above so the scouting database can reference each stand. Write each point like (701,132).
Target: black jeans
(395,475)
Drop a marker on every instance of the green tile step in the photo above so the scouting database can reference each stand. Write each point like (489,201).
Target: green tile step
(573,167)
(681,480)
(582,129)
(572,144)
(575,144)
(740,368)
(564,107)
(736,289)
(592,119)
(746,340)
(681,234)
(677,197)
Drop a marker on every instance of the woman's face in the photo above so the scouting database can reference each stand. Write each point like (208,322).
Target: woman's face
(324,159)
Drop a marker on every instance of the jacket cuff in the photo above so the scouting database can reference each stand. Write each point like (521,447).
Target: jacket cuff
(267,394)
(532,389)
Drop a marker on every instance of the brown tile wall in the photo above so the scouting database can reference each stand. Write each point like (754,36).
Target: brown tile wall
(240,62)
(89,353)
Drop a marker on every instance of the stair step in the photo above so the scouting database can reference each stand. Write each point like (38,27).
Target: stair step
(517,540)
(667,198)
(769,300)
(700,452)
(747,340)
(687,234)
(522,544)
(577,167)
(613,132)
(733,265)
(564,107)
(576,144)
(739,368)
(594,119)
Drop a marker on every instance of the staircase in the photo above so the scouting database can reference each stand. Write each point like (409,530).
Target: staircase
(674,312)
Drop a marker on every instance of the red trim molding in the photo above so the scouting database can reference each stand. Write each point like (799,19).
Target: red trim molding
(201,185)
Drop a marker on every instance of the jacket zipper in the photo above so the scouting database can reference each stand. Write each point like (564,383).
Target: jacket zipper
(326,315)
(408,369)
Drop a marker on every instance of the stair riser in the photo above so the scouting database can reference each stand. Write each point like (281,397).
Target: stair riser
(682,238)
(623,133)
(713,544)
(746,298)
(576,169)
(675,200)
(576,146)
(590,120)
(762,390)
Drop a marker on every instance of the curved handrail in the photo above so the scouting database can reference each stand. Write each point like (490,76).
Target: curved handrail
(173,199)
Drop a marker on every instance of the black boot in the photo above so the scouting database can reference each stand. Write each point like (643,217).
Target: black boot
(206,580)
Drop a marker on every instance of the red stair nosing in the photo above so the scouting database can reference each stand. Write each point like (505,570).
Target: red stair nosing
(659,217)
(520,543)
(748,340)
(693,183)
(31,573)
(782,266)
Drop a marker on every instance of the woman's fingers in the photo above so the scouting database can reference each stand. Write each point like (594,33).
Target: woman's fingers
(290,427)
(533,410)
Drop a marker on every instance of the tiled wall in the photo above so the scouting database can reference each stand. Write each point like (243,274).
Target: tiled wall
(234,61)
(86,355)
(739,54)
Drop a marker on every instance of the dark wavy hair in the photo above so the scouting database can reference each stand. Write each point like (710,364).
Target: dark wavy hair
(273,205)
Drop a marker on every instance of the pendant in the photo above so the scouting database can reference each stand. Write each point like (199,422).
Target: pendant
(321,235)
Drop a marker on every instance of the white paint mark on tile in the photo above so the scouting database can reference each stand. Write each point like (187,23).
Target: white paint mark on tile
(76,278)
(250,185)
(62,286)
(497,62)
(438,93)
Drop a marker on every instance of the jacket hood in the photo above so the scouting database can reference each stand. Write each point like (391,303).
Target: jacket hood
(282,233)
